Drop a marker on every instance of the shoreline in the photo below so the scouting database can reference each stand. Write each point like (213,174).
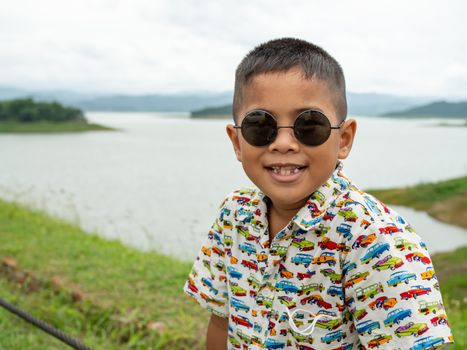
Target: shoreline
(12,127)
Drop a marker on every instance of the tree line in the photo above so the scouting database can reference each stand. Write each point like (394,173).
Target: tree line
(28,110)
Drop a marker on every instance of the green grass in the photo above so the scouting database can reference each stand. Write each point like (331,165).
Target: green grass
(134,287)
(50,127)
(444,200)
(451,270)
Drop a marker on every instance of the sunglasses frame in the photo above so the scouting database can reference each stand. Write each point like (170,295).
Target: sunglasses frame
(236,126)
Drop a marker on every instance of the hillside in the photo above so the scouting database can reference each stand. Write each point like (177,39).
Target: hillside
(435,109)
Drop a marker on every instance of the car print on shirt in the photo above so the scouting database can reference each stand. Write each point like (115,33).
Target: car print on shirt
(302,244)
(428,274)
(396,316)
(383,303)
(233,272)
(374,252)
(333,336)
(389,229)
(415,291)
(426,307)
(325,258)
(333,276)
(418,256)
(439,320)
(305,275)
(369,292)
(348,266)
(400,276)
(241,320)
(367,326)
(316,299)
(248,248)
(364,241)
(410,329)
(380,339)
(238,304)
(356,278)
(429,342)
(286,286)
(388,262)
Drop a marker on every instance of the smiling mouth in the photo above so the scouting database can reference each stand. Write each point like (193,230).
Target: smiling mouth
(285,170)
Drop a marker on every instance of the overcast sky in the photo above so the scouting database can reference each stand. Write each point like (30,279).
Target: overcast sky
(163,46)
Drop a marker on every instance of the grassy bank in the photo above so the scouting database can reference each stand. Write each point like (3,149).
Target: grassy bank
(114,297)
(50,127)
(445,201)
(106,294)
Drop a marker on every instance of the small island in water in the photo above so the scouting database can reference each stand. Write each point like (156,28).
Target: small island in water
(28,116)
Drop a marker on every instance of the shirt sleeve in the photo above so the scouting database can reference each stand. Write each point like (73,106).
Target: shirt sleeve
(392,293)
(206,282)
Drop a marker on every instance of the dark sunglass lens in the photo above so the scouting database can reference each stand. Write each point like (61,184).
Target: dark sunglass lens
(259,128)
(312,128)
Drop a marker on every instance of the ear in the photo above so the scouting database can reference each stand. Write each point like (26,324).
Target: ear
(233,135)
(347,135)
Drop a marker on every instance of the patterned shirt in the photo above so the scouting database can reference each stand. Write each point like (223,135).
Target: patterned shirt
(347,272)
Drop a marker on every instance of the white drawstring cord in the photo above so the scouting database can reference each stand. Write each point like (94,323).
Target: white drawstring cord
(310,328)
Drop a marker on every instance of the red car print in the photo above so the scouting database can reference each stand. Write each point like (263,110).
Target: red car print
(388,229)
(242,320)
(417,256)
(438,320)
(415,292)
(250,264)
(327,244)
(316,299)
(303,275)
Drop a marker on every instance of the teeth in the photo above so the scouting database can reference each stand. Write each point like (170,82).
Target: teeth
(285,171)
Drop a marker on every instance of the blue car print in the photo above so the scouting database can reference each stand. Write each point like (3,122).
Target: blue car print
(233,272)
(335,290)
(396,316)
(237,304)
(302,258)
(399,277)
(348,266)
(311,222)
(273,344)
(247,248)
(367,326)
(208,283)
(333,336)
(344,229)
(287,286)
(426,343)
(374,252)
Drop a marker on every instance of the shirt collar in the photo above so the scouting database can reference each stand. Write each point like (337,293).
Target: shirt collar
(311,214)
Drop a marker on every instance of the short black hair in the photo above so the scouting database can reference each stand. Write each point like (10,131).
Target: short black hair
(280,55)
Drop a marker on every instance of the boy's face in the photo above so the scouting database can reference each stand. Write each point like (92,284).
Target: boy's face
(285,95)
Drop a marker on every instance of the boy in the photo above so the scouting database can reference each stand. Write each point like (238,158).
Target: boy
(307,260)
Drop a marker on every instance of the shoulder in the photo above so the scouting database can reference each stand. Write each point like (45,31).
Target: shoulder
(367,213)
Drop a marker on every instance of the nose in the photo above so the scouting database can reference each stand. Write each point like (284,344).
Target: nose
(285,141)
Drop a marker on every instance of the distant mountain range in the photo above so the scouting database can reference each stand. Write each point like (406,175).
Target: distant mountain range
(368,104)
(435,109)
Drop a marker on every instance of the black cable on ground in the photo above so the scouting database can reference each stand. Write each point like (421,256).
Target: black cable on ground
(44,326)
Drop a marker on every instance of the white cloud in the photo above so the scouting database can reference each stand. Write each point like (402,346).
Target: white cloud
(399,47)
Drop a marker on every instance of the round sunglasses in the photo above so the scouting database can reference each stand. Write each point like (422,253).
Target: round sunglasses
(311,127)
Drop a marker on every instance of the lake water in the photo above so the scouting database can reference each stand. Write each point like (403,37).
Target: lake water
(156,184)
